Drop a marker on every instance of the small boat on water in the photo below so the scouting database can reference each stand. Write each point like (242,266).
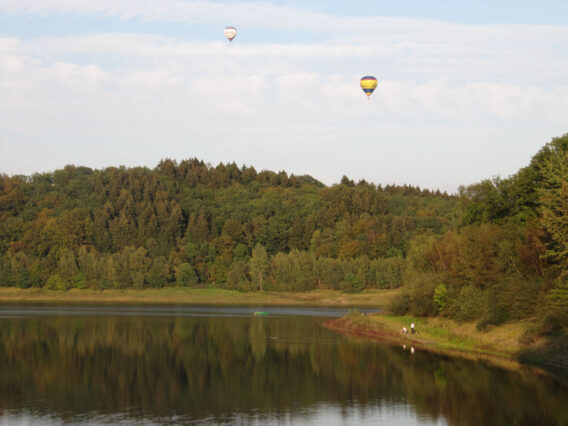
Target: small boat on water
(261,313)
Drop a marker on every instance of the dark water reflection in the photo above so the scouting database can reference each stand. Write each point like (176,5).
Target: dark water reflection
(135,365)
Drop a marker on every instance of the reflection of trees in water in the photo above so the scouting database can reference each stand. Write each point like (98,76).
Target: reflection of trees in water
(218,366)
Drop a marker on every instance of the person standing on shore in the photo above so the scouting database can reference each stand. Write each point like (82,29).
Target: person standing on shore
(412,328)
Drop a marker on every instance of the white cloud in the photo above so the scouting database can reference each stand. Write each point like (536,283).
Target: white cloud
(378,29)
(190,12)
(455,103)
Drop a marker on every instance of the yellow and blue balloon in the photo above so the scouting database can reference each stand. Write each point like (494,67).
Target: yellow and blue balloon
(369,84)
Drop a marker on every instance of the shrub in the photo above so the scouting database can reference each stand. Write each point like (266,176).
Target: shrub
(55,282)
(440,296)
(422,296)
(185,275)
(400,305)
(80,281)
(510,299)
(498,314)
(244,286)
(468,303)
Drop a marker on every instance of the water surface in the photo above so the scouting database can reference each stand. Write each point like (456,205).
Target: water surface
(125,364)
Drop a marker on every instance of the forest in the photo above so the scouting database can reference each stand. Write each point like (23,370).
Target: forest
(496,251)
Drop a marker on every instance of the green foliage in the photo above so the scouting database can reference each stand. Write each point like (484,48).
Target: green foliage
(238,276)
(400,304)
(258,265)
(386,272)
(19,270)
(484,202)
(185,275)
(440,296)
(421,290)
(554,313)
(240,252)
(497,314)
(56,282)
(553,197)
(159,273)
(80,281)
(467,303)
(93,222)
(292,272)
(351,283)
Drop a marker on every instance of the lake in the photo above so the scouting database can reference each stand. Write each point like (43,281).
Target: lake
(125,364)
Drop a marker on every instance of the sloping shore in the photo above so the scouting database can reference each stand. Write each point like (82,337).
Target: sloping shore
(499,346)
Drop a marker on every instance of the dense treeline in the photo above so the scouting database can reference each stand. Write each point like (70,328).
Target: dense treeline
(191,224)
(496,251)
(508,258)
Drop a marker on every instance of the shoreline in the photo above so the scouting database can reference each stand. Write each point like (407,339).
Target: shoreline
(499,346)
(200,296)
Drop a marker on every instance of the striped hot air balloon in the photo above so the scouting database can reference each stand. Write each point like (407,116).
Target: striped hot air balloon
(368,84)
(230,33)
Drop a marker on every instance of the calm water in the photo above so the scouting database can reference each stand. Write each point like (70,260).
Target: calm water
(178,365)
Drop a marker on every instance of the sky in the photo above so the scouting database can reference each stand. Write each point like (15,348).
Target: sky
(467,90)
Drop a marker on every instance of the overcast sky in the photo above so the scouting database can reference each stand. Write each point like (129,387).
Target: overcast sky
(467,90)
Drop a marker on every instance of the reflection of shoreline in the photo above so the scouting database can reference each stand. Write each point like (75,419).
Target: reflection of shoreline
(179,369)
(374,327)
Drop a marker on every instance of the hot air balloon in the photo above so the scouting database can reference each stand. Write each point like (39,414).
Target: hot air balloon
(230,33)
(368,84)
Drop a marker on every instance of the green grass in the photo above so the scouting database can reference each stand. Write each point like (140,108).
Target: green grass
(444,335)
(368,298)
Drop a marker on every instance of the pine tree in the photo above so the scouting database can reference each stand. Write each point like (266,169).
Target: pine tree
(554,209)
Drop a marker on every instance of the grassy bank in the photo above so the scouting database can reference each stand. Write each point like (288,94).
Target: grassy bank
(367,298)
(501,345)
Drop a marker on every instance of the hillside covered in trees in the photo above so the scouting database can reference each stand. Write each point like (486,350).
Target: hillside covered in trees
(496,251)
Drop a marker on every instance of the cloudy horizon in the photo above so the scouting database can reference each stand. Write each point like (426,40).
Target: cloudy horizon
(123,82)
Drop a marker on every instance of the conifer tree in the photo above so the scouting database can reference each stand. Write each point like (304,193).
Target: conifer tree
(554,208)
